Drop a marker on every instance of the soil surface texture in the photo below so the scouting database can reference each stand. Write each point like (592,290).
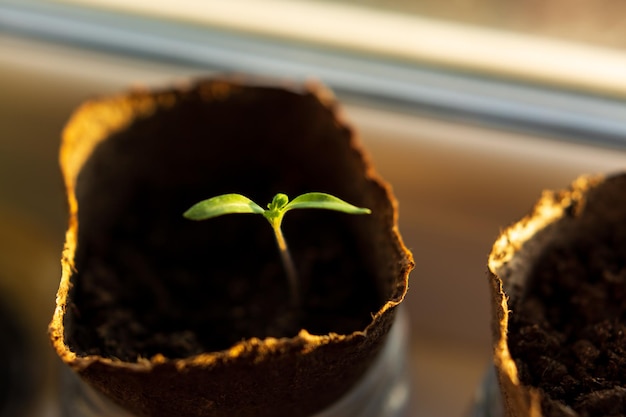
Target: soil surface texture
(568,333)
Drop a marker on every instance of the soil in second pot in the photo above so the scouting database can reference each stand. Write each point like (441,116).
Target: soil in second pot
(567,334)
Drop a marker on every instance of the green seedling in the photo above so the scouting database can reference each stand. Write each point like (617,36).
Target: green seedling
(237,203)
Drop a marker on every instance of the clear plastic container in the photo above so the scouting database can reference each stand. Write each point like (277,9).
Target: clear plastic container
(382,392)
(385,388)
(488,401)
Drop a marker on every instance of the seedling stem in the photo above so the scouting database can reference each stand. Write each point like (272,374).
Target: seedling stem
(237,203)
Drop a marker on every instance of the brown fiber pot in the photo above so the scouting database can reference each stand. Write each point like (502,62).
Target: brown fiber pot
(170,317)
(558,280)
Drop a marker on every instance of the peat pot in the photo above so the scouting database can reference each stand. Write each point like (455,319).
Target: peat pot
(163,316)
(558,280)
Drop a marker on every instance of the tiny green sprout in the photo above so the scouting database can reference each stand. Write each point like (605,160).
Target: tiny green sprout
(237,203)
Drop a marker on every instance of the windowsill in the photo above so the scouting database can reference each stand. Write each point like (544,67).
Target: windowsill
(526,57)
(447,70)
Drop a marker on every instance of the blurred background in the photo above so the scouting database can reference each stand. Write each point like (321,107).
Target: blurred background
(469,108)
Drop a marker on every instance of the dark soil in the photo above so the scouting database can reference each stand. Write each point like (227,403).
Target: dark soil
(568,334)
(171,291)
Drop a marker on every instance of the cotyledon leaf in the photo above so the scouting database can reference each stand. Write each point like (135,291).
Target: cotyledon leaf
(221,205)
